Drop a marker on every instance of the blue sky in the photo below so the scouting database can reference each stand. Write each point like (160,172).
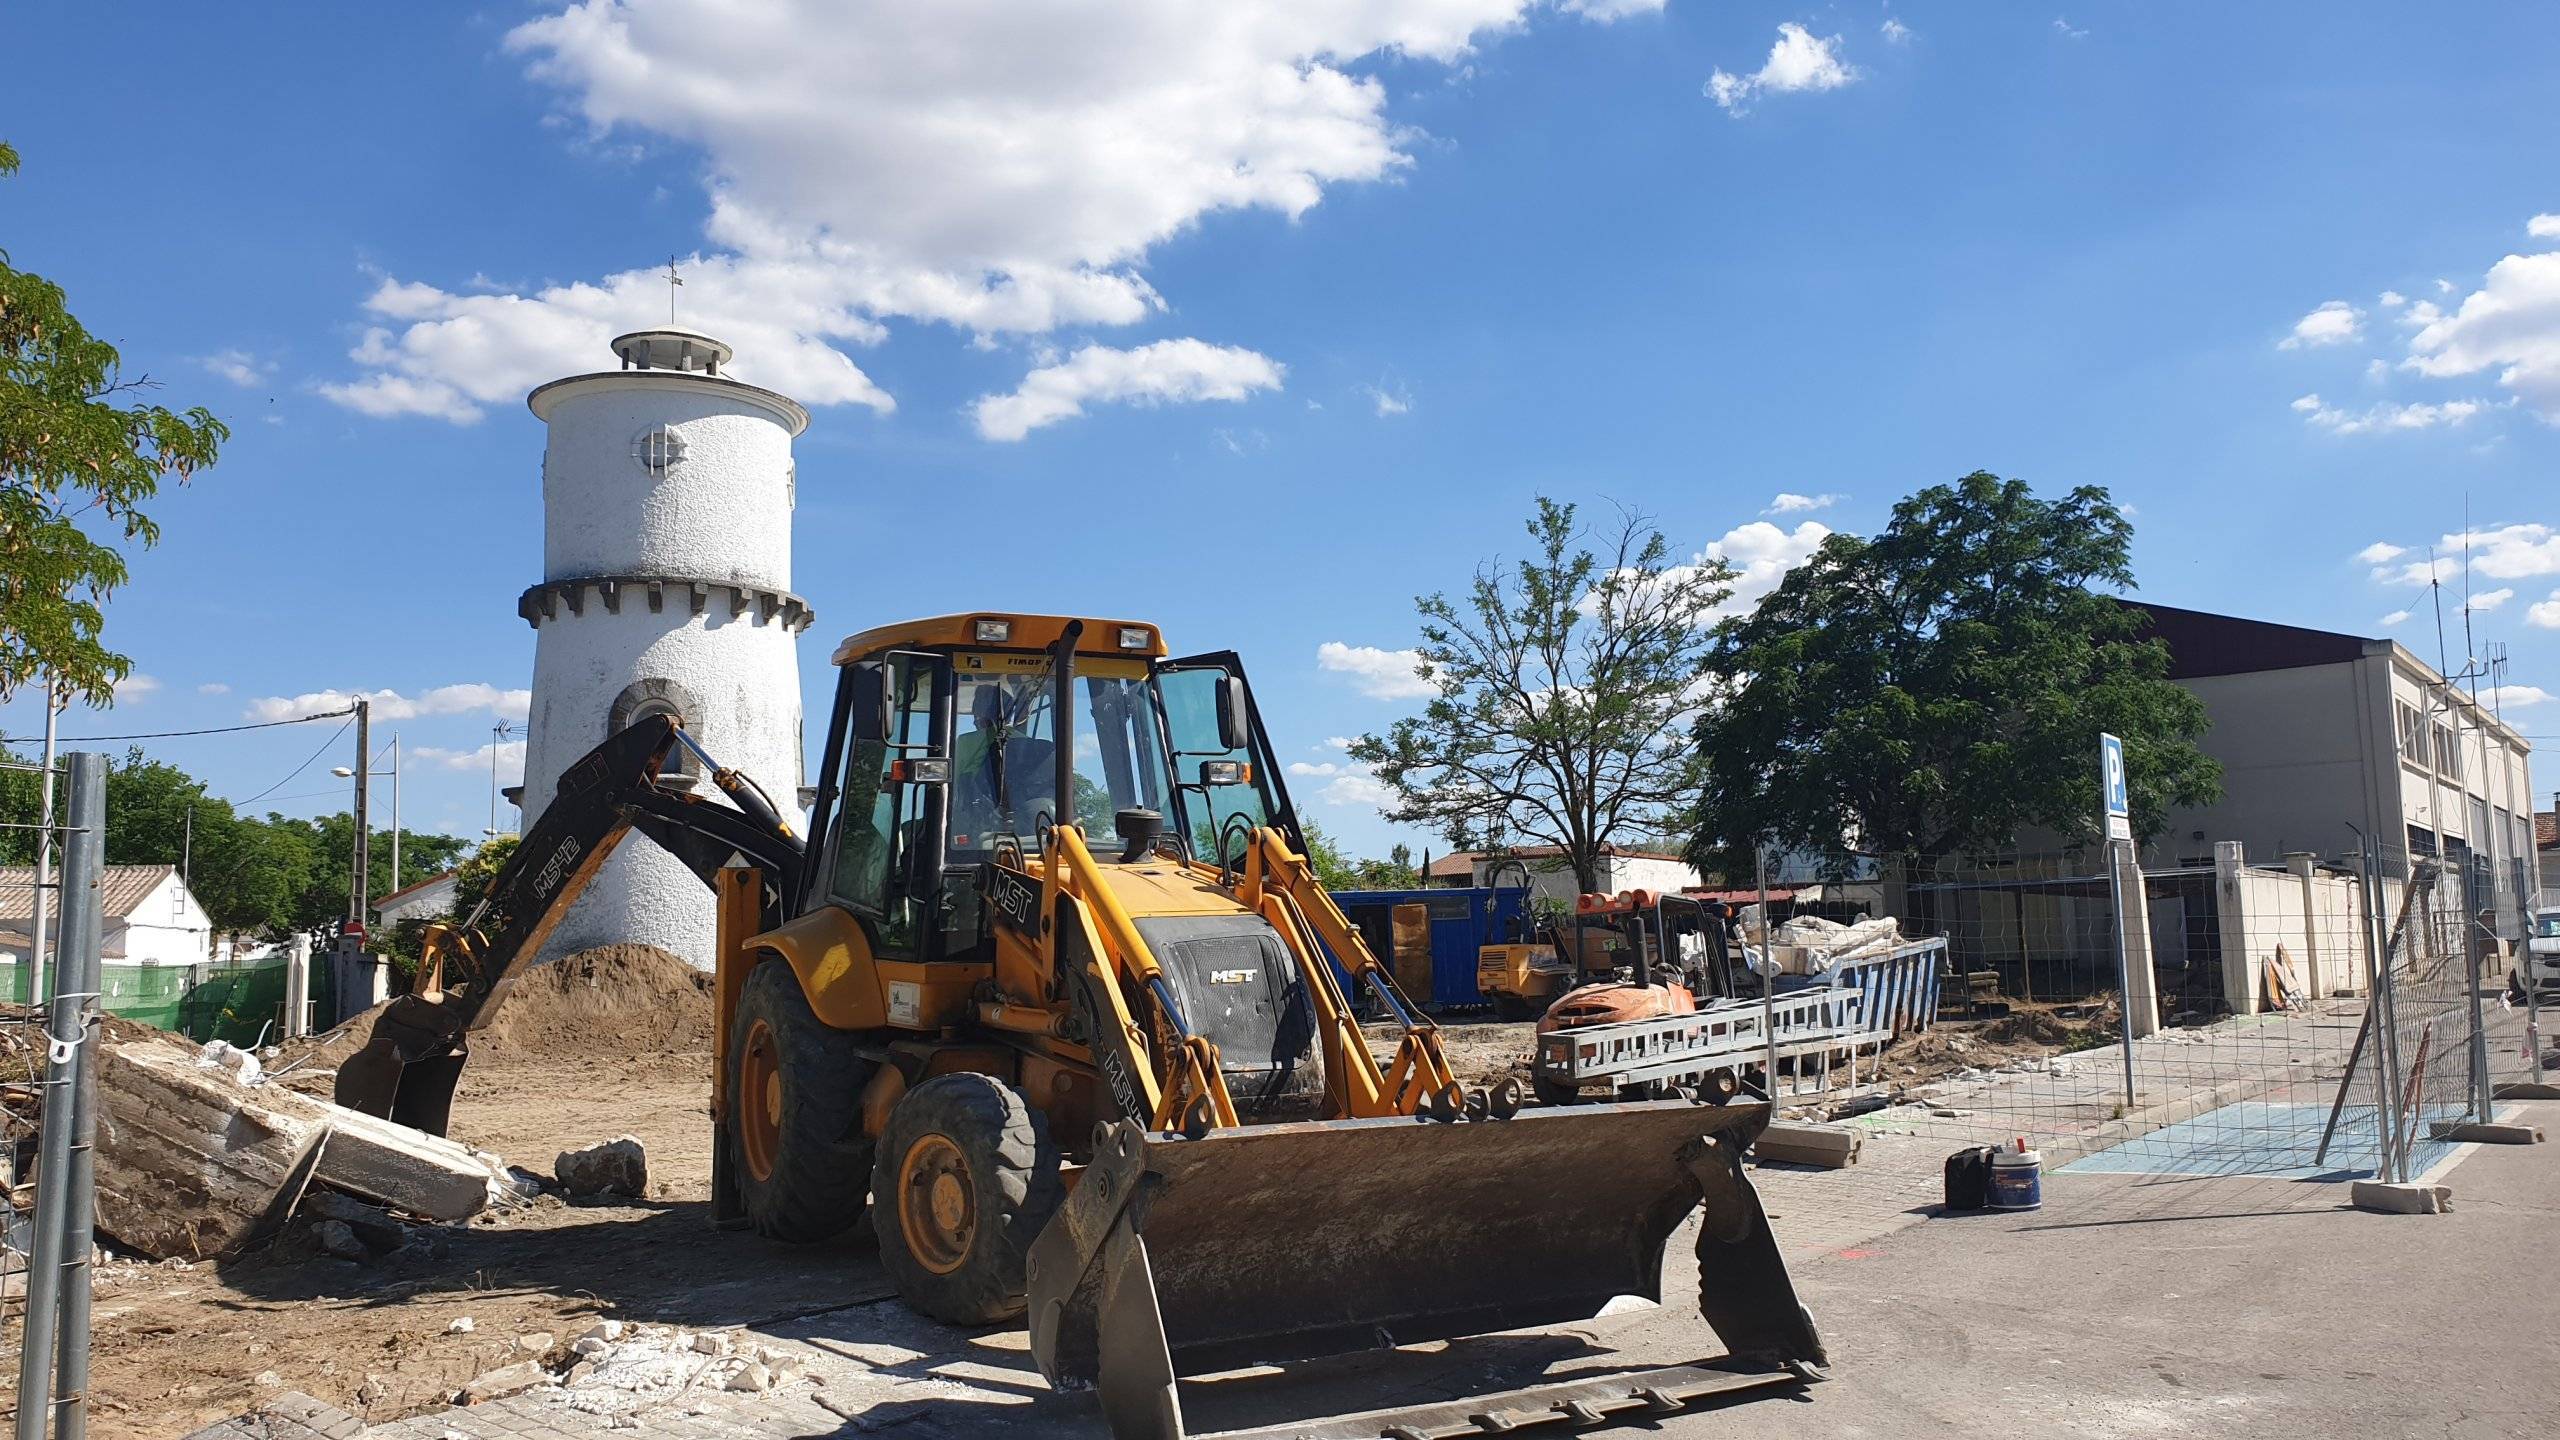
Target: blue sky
(1259,320)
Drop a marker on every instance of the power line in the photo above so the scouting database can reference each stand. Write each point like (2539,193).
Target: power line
(305,765)
(173,734)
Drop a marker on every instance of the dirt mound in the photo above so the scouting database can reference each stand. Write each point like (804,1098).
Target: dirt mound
(612,1001)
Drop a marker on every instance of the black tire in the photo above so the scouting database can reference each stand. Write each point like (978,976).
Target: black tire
(1513,1007)
(1005,1180)
(814,1158)
(1553,1092)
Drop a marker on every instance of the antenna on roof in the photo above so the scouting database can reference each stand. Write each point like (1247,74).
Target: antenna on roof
(675,282)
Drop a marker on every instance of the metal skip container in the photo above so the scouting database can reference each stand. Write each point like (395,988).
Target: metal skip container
(1263,1244)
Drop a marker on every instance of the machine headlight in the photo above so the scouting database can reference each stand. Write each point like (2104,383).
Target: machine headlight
(1225,772)
(994,632)
(1134,637)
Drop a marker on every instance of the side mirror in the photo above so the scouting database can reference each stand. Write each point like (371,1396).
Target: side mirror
(1233,731)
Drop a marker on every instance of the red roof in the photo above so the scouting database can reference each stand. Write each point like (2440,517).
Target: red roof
(2546,829)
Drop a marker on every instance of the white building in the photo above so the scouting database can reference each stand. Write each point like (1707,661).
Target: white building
(2319,732)
(426,899)
(667,493)
(152,918)
(1550,878)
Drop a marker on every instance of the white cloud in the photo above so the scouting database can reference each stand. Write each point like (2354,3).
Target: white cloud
(2386,416)
(998,167)
(2393,299)
(1166,372)
(2510,552)
(2380,552)
(2488,600)
(1388,403)
(2511,325)
(1347,782)
(238,366)
(1800,60)
(2395,618)
(213,687)
(1894,31)
(2544,613)
(1761,554)
(2064,28)
(1378,674)
(2543,227)
(509,754)
(2335,322)
(136,686)
(2508,697)
(1605,11)
(392,705)
(1789,503)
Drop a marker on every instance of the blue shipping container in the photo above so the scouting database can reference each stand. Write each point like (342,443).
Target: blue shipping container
(1462,922)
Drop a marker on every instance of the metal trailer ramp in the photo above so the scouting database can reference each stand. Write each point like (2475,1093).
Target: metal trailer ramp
(1864,1007)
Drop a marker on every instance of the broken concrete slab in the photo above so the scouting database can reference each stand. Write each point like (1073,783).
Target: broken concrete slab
(2392,1199)
(408,1170)
(191,1165)
(1830,1146)
(2525,1090)
(371,1224)
(502,1382)
(617,1167)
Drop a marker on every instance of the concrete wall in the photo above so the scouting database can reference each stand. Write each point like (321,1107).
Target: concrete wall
(2300,761)
(167,928)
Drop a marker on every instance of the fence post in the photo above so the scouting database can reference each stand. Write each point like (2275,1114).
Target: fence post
(83,961)
(55,1321)
(2231,922)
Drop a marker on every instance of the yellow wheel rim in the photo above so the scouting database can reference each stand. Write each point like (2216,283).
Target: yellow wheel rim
(759,1101)
(937,1206)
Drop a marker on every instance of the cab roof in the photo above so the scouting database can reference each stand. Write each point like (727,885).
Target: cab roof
(1026,632)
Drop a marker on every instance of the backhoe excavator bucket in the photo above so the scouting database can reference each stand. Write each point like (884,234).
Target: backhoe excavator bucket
(1262,1244)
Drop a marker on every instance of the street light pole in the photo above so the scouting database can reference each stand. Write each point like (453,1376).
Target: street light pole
(395,812)
(497,737)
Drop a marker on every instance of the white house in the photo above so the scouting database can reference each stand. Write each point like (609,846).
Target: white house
(427,899)
(151,916)
(1550,878)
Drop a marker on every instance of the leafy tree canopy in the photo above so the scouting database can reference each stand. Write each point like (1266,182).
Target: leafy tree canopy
(1565,685)
(75,456)
(1932,690)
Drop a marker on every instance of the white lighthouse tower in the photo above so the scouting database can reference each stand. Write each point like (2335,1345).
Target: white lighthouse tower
(667,491)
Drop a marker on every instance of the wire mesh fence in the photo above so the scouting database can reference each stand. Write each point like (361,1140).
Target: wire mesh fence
(2301,1017)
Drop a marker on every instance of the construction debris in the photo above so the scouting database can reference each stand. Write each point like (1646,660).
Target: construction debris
(192,1164)
(1832,1147)
(502,1382)
(195,1162)
(617,1167)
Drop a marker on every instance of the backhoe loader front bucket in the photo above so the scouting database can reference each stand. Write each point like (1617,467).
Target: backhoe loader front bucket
(1261,1244)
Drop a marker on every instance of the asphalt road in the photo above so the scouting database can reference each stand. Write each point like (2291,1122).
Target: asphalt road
(2197,1307)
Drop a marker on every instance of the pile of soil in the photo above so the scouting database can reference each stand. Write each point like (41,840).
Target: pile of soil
(2028,1032)
(615,1001)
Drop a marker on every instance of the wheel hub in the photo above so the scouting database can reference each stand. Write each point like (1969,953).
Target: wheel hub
(937,1206)
(760,1101)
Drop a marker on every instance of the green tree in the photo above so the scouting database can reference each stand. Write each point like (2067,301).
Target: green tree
(1564,688)
(474,872)
(1334,870)
(76,456)
(1930,691)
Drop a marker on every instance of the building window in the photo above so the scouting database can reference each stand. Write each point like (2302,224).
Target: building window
(2413,734)
(659,449)
(2448,753)
(642,699)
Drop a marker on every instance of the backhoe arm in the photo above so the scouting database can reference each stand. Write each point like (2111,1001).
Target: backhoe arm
(407,1070)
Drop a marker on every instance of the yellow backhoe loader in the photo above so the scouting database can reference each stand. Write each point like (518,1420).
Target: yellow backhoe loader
(1113,1084)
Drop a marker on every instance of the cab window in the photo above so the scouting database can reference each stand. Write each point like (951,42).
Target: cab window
(880,815)
(1212,813)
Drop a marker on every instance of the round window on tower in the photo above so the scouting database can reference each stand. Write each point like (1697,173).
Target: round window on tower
(642,699)
(659,449)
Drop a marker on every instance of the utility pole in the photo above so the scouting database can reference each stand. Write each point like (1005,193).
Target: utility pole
(395,812)
(37,969)
(364,834)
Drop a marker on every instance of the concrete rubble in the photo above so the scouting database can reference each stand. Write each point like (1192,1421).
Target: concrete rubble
(196,1160)
(617,1167)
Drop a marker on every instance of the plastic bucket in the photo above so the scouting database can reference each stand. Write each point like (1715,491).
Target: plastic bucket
(2017,1180)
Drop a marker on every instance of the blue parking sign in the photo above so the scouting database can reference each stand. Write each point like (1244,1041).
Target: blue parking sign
(2119,801)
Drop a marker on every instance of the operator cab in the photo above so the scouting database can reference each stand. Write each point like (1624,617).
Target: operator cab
(950,733)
